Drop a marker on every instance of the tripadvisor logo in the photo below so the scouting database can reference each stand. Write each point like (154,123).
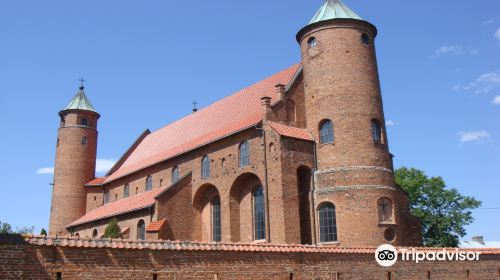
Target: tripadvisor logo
(387,255)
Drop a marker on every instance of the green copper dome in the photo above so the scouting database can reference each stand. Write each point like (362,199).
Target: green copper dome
(333,9)
(80,102)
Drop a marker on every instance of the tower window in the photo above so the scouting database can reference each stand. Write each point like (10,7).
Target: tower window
(365,39)
(244,154)
(126,190)
(216,220)
(95,233)
(84,122)
(327,223)
(84,140)
(312,43)
(376,131)
(326,132)
(259,218)
(385,209)
(175,174)
(141,230)
(149,183)
(205,167)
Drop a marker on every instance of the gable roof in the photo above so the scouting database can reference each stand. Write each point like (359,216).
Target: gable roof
(228,116)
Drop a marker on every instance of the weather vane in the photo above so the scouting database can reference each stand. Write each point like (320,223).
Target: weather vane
(195,107)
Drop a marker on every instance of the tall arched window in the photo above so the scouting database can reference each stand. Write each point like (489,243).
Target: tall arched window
(385,210)
(175,174)
(126,191)
(141,230)
(326,132)
(216,219)
(149,183)
(205,167)
(259,213)
(327,223)
(95,233)
(106,197)
(376,131)
(290,110)
(244,154)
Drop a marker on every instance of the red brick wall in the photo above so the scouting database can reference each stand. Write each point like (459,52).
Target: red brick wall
(23,261)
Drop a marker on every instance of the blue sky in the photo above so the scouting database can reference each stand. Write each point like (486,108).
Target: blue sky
(145,62)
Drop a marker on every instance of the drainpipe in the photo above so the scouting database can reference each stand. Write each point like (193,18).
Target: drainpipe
(313,189)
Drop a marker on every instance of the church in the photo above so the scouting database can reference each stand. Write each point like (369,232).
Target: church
(301,157)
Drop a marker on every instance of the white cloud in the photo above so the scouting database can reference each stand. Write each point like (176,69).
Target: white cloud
(390,123)
(496,100)
(485,83)
(497,35)
(102,166)
(45,170)
(490,21)
(474,136)
(453,50)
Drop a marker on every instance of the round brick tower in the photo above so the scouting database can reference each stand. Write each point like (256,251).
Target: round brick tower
(75,162)
(345,114)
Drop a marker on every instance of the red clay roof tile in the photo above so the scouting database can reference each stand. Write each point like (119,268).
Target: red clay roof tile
(221,119)
(156,225)
(96,182)
(290,131)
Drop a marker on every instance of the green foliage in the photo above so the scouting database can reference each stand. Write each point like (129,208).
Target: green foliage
(43,232)
(113,229)
(5,228)
(444,212)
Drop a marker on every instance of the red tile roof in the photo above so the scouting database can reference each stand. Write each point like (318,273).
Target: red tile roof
(290,131)
(201,246)
(230,115)
(96,182)
(129,204)
(156,225)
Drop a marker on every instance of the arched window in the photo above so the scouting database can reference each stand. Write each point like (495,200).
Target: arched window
(106,197)
(205,167)
(365,39)
(116,196)
(259,217)
(126,191)
(95,233)
(84,140)
(327,223)
(244,154)
(216,220)
(312,43)
(149,183)
(376,131)
(290,110)
(385,210)
(84,121)
(141,230)
(326,132)
(175,174)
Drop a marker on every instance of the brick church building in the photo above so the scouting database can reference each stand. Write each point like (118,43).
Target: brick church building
(301,157)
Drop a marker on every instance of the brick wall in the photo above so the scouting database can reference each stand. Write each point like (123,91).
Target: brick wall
(20,260)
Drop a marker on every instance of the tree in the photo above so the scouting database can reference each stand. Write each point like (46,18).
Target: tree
(25,230)
(112,229)
(5,228)
(444,212)
(43,232)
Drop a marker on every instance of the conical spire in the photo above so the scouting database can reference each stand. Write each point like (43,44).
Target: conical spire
(333,9)
(80,101)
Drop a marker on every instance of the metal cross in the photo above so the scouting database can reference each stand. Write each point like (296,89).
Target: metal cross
(82,81)
(195,108)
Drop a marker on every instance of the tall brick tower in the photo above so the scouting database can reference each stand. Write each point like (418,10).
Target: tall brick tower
(345,114)
(75,161)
